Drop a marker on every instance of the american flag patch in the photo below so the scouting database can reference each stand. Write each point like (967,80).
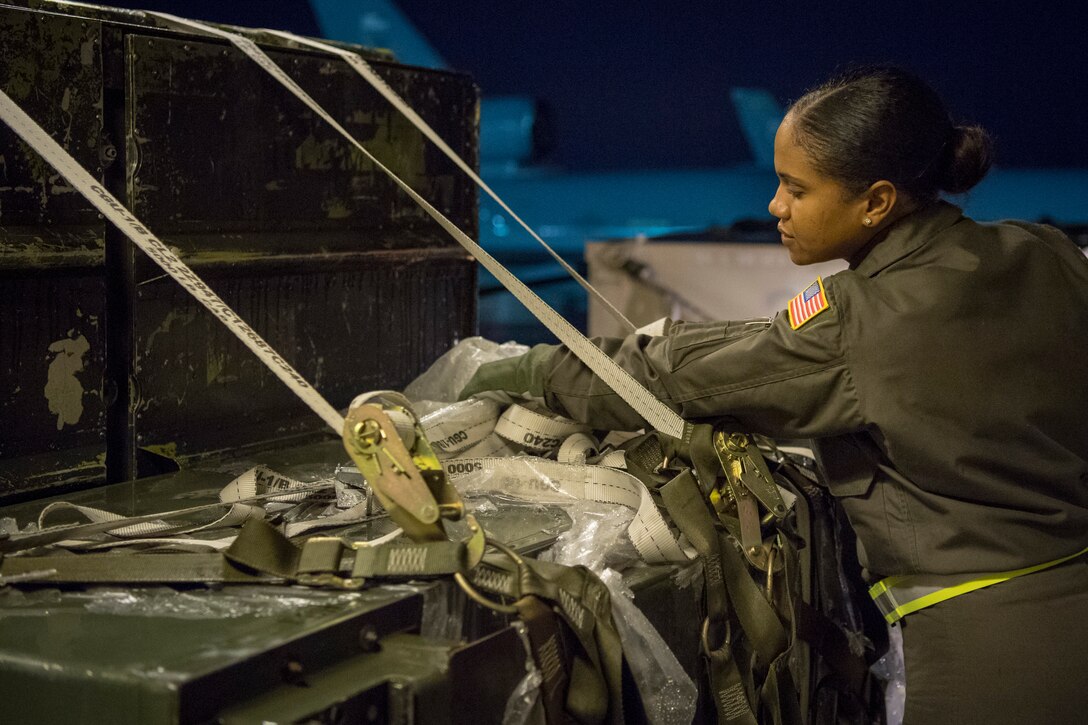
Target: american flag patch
(808,304)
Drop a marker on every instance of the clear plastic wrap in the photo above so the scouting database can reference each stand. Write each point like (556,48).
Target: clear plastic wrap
(597,538)
(668,694)
(450,373)
(520,477)
(523,525)
(211,604)
(522,707)
(891,669)
(9,526)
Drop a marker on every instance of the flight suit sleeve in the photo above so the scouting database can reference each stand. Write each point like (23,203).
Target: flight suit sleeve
(771,378)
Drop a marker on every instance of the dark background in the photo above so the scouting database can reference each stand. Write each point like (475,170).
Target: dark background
(645,85)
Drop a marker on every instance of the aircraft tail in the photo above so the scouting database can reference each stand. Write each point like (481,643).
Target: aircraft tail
(759,114)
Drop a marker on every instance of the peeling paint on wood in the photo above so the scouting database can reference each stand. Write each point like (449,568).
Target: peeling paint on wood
(63,391)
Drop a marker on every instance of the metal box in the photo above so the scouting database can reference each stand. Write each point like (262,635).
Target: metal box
(243,655)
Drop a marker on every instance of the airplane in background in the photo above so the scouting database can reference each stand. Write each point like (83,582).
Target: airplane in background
(568,209)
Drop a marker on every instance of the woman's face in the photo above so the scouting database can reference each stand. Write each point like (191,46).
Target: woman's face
(818,218)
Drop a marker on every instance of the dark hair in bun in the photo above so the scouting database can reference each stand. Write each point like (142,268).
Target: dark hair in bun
(887,123)
(968,158)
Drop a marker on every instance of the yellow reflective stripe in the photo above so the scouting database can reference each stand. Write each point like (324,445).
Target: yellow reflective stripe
(886,587)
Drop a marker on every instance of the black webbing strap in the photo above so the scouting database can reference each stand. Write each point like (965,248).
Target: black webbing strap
(828,639)
(780,702)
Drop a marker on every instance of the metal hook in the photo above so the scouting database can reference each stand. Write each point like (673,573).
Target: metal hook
(479,598)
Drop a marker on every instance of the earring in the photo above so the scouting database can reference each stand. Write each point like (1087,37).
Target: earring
(867,221)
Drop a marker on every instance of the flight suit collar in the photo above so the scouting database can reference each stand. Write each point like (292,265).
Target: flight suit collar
(905,236)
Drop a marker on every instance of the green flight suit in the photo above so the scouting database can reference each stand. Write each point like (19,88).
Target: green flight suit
(945,388)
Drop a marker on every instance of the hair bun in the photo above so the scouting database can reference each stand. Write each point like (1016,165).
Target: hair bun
(967,159)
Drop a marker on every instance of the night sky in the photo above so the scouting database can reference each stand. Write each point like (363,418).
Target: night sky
(645,85)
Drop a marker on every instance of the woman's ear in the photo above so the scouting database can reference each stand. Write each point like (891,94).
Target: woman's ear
(880,201)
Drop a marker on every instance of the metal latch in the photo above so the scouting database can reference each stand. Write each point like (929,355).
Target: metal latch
(748,483)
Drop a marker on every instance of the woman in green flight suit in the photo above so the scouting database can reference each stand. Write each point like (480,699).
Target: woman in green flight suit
(943,379)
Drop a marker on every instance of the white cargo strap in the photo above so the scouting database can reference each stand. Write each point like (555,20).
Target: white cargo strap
(174,542)
(237,514)
(652,410)
(258,482)
(543,480)
(533,431)
(262,481)
(370,76)
(490,447)
(489,465)
(460,426)
(898,596)
(612,459)
(577,448)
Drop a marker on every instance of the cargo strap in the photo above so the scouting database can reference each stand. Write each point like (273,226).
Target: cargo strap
(725,565)
(538,433)
(599,672)
(465,426)
(245,496)
(898,596)
(458,427)
(544,480)
(551,651)
(238,514)
(712,451)
(642,401)
(367,73)
(55,534)
(259,554)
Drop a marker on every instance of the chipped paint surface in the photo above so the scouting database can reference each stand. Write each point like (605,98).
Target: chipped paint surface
(217,362)
(166,450)
(51,66)
(301,176)
(63,391)
(182,317)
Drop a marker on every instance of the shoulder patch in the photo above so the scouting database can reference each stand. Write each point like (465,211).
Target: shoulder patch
(808,304)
